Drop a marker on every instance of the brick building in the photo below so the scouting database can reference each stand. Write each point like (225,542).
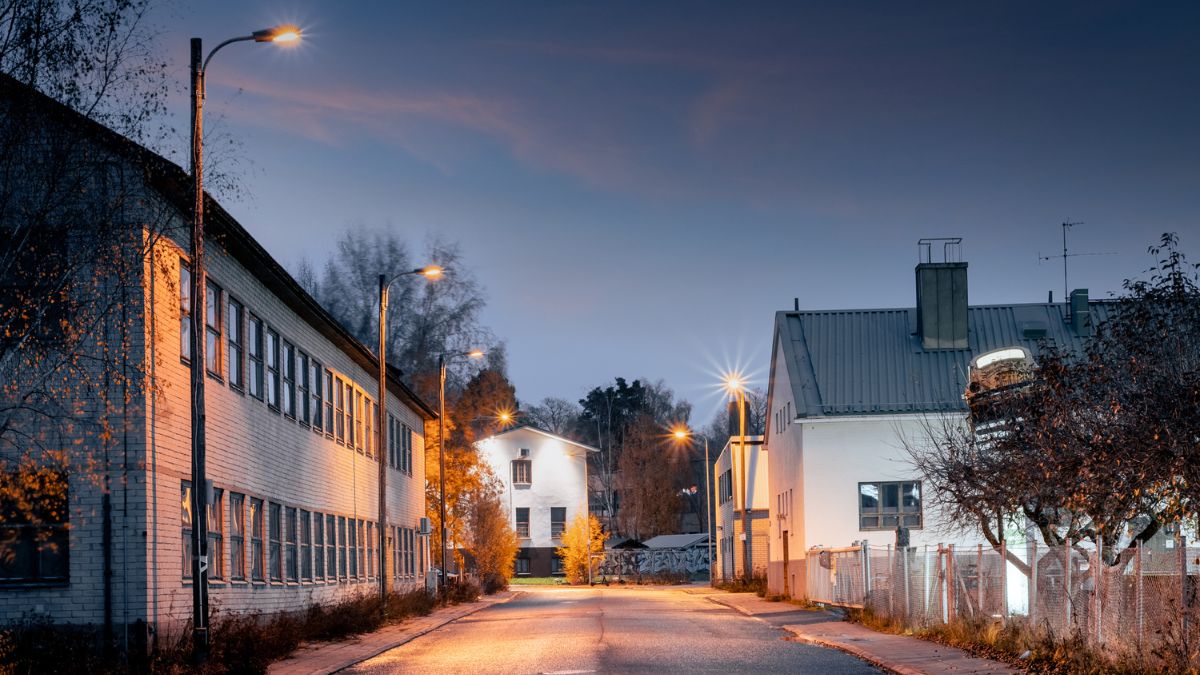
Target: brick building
(292,408)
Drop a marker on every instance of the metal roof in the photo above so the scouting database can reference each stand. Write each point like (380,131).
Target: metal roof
(676,540)
(870,361)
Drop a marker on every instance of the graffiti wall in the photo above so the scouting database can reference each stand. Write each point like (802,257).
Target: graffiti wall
(636,562)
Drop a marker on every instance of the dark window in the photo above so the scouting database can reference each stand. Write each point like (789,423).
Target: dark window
(302,400)
(391,441)
(523,522)
(358,421)
(522,471)
(353,548)
(235,327)
(34,522)
(256,539)
(330,548)
(188,523)
(329,396)
(369,541)
(521,564)
(291,555)
(340,395)
(237,536)
(556,565)
(558,521)
(255,338)
(275,552)
(343,570)
(316,396)
(406,447)
(212,328)
(318,539)
(273,369)
(887,505)
(288,369)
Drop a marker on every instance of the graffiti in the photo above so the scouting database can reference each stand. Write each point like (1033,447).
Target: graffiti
(636,562)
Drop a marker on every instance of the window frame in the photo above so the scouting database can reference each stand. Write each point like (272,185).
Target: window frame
(258,549)
(302,388)
(287,377)
(235,347)
(213,306)
(216,535)
(527,465)
(272,370)
(38,536)
(237,536)
(255,345)
(881,513)
(185,311)
(275,542)
(522,532)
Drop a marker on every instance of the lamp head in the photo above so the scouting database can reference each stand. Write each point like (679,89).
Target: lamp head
(681,433)
(734,383)
(282,33)
(475,354)
(432,271)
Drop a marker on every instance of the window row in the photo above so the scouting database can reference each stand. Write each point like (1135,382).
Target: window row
(253,358)
(400,445)
(270,541)
(783,417)
(725,487)
(558,521)
(34,527)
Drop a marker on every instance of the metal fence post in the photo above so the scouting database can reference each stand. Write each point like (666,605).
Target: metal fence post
(1139,598)
(866,566)
(1067,586)
(979,581)
(1004,579)
(951,576)
(904,566)
(942,572)
(891,571)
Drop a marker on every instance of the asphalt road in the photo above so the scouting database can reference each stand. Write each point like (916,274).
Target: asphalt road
(613,630)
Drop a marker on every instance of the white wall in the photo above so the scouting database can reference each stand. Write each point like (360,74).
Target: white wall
(558,479)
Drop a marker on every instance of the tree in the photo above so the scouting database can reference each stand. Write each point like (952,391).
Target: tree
(426,318)
(580,542)
(493,544)
(556,415)
(1097,445)
(653,476)
(718,430)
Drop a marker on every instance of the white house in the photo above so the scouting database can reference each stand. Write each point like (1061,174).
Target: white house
(849,387)
(291,401)
(735,472)
(545,488)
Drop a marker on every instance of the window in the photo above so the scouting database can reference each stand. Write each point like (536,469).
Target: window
(275,524)
(556,565)
(558,521)
(316,396)
(34,544)
(368,428)
(885,506)
(352,547)
(329,395)
(212,328)
(216,534)
(362,548)
(358,421)
(237,536)
(306,573)
(188,523)
(330,550)
(318,535)
(289,379)
(370,546)
(406,448)
(302,400)
(521,564)
(256,539)
(185,311)
(343,570)
(255,338)
(391,441)
(234,350)
(523,522)
(291,556)
(420,555)
(349,412)
(412,545)
(341,412)
(273,369)
(522,471)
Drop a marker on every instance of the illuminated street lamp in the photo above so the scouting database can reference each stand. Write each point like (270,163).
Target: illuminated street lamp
(442,359)
(197,306)
(682,434)
(429,272)
(736,387)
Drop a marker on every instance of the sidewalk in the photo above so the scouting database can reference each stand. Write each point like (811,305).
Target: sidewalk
(330,657)
(902,654)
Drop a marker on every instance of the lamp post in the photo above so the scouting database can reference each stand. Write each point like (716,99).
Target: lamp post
(196,339)
(429,272)
(682,434)
(442,358)
(735,386)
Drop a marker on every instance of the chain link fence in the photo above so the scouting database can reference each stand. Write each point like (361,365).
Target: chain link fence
(1125,603)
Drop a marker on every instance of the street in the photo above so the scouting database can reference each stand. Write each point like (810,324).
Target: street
(609,630)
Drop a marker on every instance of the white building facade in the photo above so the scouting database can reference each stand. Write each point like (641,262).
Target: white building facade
(545,488)
(292,460)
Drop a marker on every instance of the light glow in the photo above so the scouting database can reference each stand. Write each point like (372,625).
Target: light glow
(284,33)
(475,354)
(432,271)
(734,382)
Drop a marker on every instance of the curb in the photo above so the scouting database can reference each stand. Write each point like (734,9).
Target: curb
(413,636)
(713,599)
(854,651)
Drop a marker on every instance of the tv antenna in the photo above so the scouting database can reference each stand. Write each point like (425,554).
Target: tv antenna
(1066,226)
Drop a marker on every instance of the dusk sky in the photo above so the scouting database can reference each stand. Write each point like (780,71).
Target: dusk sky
(640,186)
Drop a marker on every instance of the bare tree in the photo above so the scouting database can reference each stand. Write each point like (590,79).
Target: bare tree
(556,415)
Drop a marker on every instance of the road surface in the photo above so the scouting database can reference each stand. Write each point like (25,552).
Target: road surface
(610,630)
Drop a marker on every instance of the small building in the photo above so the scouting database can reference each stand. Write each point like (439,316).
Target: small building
(545,488)
(740,479)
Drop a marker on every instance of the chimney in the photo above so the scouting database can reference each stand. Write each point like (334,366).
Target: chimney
(942,298)
(735,421)
(1081,314)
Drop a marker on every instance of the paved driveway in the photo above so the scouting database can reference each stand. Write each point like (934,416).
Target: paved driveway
(611,630)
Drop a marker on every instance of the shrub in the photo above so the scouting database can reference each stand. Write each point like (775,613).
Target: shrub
(463,589)
(581,540)
(757,583)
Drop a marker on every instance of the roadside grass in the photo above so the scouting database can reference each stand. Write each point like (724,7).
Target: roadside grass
(536,581)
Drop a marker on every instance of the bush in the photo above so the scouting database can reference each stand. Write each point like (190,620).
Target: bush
(757,583)
(582,539)
(462,589)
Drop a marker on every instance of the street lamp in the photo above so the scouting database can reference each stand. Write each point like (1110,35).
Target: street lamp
(429,272)
(735,386)
(442,358)
(197,306)
(681,434)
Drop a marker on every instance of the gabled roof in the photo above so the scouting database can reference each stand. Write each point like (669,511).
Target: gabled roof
(175,186)
(870,361)
(530,427)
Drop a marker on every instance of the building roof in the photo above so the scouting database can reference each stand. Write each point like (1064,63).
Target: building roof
(870,361)
(175,186)
(530,427)
(676,540)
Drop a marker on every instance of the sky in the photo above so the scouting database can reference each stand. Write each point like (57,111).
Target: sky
(641,186)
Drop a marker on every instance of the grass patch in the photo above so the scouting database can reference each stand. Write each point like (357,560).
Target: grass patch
(536,581)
